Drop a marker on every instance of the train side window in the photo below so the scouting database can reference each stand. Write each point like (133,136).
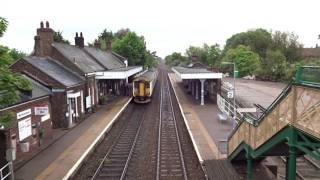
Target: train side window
(147,84)
(136,84)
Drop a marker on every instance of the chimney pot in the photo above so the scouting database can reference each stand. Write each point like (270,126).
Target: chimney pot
(41,24)
(47,24)
(79,41)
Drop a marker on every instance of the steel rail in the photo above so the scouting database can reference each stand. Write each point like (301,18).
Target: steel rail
(159,135)
(177,134)
(114,144)
(165,86)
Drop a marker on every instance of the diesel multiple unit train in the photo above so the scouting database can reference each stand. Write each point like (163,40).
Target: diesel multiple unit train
(143,86)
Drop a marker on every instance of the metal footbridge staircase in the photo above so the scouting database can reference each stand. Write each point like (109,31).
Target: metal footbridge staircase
(290,127)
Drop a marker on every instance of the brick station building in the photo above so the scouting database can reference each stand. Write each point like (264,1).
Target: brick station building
(77,75)
(30,127)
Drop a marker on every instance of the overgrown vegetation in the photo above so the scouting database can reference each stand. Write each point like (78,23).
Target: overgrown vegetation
(57,37)
(128,44)
(267,55)
(10,83)
(5,119)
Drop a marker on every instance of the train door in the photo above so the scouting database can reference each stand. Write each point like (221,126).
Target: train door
(141,88)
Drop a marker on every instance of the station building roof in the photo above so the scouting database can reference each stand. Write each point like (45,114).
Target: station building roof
(195,73)
(108,59)
(80,58)
(120,73)
(55,70)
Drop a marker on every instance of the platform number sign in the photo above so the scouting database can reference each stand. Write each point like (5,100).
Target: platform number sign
(230,94)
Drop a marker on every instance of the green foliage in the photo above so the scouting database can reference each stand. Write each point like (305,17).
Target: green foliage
(208,55)
(10,83)
(132,47)
(5,58)
(288,44)
(6,118)
(175,59)
(57,37)
(274,66)
(247,62)
(258,40)
(16,54)
(10,86)
(3,26)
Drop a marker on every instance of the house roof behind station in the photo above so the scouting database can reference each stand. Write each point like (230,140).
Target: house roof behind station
(55,70)
(108,59)
(79,57)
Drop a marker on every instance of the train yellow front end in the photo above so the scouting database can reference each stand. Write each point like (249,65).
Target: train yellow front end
(143,87)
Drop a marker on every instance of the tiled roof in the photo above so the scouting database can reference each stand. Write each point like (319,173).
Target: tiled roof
(79,57)
(108,59)
(55,70)
(38,90)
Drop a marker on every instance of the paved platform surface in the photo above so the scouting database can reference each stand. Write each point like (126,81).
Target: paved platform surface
(203,122)
(55,161)
(259,92)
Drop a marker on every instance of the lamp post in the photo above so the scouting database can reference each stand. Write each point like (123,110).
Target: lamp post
(234,92)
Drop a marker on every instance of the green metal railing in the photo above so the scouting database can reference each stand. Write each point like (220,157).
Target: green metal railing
(305,76)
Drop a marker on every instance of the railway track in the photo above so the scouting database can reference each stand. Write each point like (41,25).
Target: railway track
(170,160)
(115,162)
(307,168)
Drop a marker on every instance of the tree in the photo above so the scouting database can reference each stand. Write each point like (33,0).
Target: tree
(247,62)
(208,54)
(16,54)
(132,47)
(175,59)
(10,83)
(57,37)
(274,66)
(3,26)
(258,40)
(288,44)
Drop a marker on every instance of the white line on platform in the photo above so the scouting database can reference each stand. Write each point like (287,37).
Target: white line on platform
(87,152)
(185,121)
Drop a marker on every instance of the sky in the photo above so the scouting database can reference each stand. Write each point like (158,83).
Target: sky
(167,25)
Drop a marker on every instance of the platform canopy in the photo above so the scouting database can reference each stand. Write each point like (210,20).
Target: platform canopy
(121,73)
(195,73)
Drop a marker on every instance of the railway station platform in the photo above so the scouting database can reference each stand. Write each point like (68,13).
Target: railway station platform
(61,158)
(209,135)
(202,122)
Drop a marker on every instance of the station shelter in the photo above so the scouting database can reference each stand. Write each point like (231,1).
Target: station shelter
(199,82)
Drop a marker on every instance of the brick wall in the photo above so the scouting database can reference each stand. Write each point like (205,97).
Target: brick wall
(38,124)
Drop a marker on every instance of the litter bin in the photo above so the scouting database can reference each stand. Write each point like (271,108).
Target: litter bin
(236,74)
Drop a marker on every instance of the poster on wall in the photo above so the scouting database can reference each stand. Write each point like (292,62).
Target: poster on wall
(24,127)
(41,110)
(88,101)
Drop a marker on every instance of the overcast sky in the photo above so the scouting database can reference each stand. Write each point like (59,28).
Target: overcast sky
(167,25)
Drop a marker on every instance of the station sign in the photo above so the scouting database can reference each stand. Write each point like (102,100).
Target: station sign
(41,110)
(230,94)
(23,114)
(246,110)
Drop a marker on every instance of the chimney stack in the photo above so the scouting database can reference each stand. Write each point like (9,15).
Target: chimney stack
(43,40)
(79,41)
(97,44)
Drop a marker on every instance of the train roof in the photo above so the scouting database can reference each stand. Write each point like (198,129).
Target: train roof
(149,75)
